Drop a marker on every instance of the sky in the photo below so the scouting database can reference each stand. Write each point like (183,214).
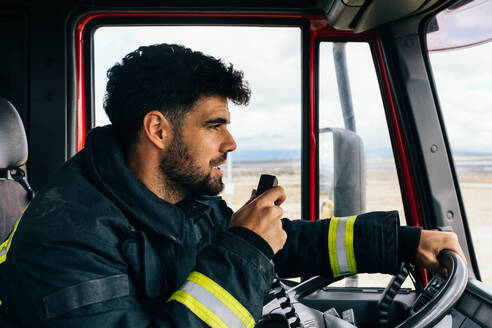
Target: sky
(270,58)
(463,79)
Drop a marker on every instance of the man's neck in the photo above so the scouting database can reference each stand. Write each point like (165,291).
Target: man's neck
(168,190)
(156,182)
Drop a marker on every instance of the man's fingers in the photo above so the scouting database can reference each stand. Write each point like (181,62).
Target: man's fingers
(262,216)
(438,268)
(431,244)
(275,195)
(459,251)
(275,212)
(453,245)
(252,197)
(253,194)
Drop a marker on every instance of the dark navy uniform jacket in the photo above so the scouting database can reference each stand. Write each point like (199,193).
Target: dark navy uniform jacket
(96,248)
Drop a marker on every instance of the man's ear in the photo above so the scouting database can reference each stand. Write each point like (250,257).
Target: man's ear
(157,129)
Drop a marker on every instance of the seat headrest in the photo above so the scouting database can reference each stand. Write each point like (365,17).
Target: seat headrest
(13,140)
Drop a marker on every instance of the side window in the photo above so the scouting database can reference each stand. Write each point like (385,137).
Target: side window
(462,69)
(356,164)
(268,131)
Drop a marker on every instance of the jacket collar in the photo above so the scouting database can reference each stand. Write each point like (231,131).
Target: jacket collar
(196,205)
(108,169)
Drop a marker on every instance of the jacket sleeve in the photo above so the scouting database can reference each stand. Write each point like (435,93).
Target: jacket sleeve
(340,246)
(66,277)
(236,276)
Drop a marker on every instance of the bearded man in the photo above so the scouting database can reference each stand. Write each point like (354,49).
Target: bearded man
(131,233)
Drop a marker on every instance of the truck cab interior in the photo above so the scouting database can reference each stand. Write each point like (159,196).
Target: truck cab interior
(349,103)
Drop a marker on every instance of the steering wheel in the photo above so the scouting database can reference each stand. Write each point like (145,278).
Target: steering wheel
(428,315)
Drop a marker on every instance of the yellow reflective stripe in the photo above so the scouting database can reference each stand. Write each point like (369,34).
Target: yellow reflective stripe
(344,255)
(200,310)
(5,246)
(349,244)
(223,295)
(332,247)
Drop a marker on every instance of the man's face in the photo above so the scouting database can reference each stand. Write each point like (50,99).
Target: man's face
(199,146)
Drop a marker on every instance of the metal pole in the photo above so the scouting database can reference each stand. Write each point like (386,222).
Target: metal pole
(343,83)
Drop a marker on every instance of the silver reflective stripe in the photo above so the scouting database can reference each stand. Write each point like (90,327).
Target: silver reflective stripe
(341,251)
(213,303)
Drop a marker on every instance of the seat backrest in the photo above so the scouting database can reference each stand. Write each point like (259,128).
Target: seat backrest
(15,192)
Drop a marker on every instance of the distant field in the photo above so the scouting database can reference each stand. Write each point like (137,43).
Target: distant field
(383,193)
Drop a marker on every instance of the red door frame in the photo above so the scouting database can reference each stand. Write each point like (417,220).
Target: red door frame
(319,28)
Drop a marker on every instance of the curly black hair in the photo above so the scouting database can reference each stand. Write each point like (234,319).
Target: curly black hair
(169,78)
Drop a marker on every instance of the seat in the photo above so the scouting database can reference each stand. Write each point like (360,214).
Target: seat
(15,192)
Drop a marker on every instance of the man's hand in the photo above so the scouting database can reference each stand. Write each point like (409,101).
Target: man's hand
(262,216)
(431,243)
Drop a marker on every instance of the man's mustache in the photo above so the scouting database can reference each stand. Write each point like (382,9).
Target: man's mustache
(216,162)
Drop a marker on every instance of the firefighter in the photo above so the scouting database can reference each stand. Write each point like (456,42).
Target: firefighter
(130,232)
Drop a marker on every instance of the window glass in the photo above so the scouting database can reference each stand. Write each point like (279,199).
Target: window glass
(268,131)
(360,87)
(463,79)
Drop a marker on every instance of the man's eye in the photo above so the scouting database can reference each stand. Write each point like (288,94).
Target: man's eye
(215,127)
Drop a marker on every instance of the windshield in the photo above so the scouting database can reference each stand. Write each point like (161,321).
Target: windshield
(463,80)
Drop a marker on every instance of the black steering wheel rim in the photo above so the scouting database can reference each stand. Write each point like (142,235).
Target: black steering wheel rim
(449,294)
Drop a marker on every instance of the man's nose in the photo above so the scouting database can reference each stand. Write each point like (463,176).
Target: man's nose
(229,144)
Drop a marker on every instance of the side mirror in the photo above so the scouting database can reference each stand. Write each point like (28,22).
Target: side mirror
(342,173)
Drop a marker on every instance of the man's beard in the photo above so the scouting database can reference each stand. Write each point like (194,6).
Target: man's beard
(178,166)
